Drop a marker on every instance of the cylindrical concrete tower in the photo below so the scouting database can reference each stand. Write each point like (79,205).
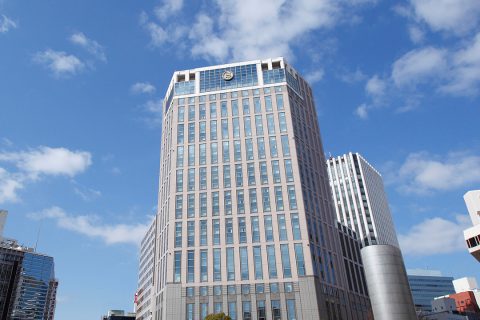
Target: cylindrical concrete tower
(387,283)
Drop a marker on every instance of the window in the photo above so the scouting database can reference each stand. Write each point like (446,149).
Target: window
(295,227)
(178,266)
(237,150)
(215,204)
(249,147)
(180,151)
(203,153)
(266,199)
(191,132)
(226,176)
(213,110)
(217,290)
(231,289)
(203,290)
(240,202)
(214,177)
(245,289)
(191,233)
(279,198)
(191,205)
(203,111)
(261,148)
(300,259)
(227,202)
(178,206)
(217,258)
(191,113)
(255,230)
(223,109)
(213,129)
(256,105)
(203,310)
(217,307)
(276,171)
(238,175)
(230,264)
(180,134)
(276,315)
(203,232)
(234,108)
(224,129)
(236,127)
(229,231)
(273,147)
(190,266)
(245,106)
(203,204)
(203,178)
(190,307)
(263,172)
(203,131)
(268,228)
(226,151)
(251,174)
(252,195)
(191,179)
(292,199)
(259,125)
(232,310)
(272,263)
(268,103)
(280,105)
(242,230)
(285,146)
(257,262)
(246,310)
(179,180)
(288,170)
(282,122)
(291,312)
(214,152)
(274,287)
(216,231)
(261,310)
(287,270)
(244,263)
(282,227)
(181,114)
(178,234)
(288,287)
(270,124)
(247,126)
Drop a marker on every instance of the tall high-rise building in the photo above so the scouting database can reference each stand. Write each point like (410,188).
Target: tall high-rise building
(245,222)
(472,234)
(360,199)
(28,286)
(427,285)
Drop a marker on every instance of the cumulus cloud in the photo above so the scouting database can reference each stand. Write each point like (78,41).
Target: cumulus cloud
(362,111)
(6,24)
(315,76)
(34,164)
(92,46)
(153,108)
(92,227)
(142,87)
(168,8)
(59,62)
(424,173)
(435,236)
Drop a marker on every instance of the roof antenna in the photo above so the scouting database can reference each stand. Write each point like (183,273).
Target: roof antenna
(38,236)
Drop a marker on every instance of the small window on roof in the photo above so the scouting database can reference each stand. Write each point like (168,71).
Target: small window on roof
(276,65)
(192,76)
(264,66)
(180,78)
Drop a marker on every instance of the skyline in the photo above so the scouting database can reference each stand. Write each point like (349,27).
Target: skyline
(79,152)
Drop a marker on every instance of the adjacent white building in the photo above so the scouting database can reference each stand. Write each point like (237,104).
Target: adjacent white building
(245,221)
(360,199)
(472,235)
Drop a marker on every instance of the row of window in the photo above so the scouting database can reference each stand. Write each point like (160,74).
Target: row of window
(243,256)
(246,310)
(224,128)
(202,208)
(246,289)
(241,225)
(248,153)
(227,95)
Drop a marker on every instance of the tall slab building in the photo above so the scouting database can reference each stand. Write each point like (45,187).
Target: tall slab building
(360,199)
(245,221)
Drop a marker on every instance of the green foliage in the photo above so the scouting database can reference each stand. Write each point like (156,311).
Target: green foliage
(218,316)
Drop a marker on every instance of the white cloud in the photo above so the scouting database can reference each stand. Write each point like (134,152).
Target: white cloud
(453,16)
(92,46)
(6,24)
(424,173)
(352,77)
(91,227)
(158,35)
(142,87)
(416,34)
(315,76)
(376,87)
(362,111)
(418,66)
(435,236)
(34,164)
(154,110)
(168,9)
(59,62)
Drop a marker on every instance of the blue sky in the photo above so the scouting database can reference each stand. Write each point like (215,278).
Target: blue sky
(81,85)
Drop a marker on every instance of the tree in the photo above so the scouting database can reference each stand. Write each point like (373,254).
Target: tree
(218,316)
